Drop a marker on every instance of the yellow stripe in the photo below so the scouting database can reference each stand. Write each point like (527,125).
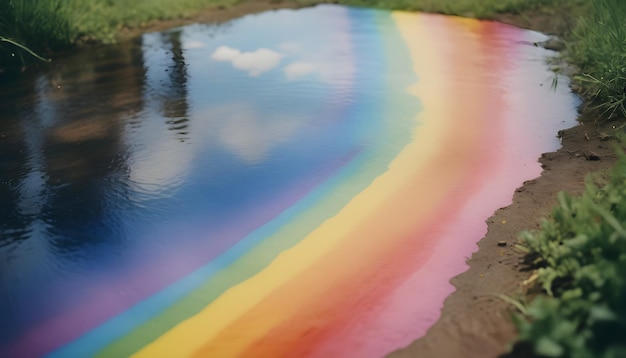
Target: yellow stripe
(190,335)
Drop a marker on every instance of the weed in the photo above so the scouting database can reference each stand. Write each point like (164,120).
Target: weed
(21,47)
(599,49)
(28,27)
(581,260)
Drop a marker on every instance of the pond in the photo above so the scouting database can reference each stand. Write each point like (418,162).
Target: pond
(295,183)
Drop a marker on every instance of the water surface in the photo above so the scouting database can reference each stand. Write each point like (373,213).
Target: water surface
(295,183)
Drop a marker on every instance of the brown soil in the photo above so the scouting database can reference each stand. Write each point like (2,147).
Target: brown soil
(475,323)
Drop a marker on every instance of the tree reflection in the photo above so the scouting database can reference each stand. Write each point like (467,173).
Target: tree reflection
(61,149)
(70,167)
(175,106)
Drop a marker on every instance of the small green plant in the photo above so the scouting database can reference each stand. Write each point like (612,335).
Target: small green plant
(21,47)
(580,253)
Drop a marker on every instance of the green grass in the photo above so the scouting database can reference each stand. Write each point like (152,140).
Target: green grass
(30,24)
(581,255)
(43,26)
(101,20)
(599,49)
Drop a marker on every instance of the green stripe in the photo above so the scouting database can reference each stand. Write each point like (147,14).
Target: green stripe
(326,201)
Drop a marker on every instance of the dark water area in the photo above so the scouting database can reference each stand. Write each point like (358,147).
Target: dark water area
(64,157)
(61,142)
(133,176)
(94,146)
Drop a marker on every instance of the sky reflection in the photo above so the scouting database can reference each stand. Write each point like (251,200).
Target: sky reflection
(299,186)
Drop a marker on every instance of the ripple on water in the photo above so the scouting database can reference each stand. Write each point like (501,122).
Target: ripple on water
(301,182)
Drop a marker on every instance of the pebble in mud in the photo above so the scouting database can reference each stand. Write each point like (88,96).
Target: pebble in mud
(501,243)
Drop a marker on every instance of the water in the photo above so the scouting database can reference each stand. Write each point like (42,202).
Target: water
(287,184)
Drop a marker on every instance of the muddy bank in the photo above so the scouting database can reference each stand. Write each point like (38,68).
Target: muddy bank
(475,323)
(212,15)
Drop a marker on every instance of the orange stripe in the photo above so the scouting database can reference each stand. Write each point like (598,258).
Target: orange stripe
(329,295)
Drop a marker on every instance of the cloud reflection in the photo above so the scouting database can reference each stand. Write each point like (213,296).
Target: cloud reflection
(298,69)
(249,134)
(255,63)
(194,44)
(339,71)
